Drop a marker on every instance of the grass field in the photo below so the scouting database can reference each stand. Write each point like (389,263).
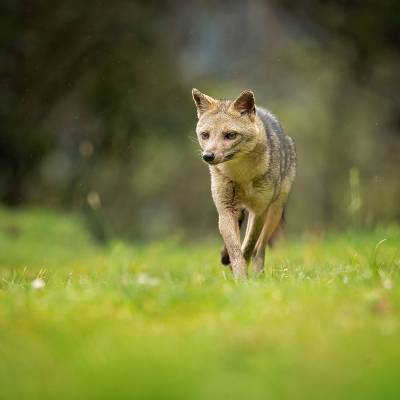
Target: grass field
(161,321)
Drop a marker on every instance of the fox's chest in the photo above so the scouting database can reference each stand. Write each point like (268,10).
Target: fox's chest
(254,195)
(251,190)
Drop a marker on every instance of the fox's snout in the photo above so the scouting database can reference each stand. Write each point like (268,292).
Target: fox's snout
(208,156)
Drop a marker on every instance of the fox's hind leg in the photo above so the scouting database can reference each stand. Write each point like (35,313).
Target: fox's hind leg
(224,252)
(271,224)
(253,231)
(278,230)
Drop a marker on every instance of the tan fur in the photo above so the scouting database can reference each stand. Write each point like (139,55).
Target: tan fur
(254,171)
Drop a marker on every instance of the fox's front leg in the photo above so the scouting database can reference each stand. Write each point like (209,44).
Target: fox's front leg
(229,228)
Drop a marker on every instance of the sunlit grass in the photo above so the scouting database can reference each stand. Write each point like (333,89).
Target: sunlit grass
(163,321)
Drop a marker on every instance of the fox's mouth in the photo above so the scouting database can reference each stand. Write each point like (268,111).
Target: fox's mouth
(229,157)
(226,158)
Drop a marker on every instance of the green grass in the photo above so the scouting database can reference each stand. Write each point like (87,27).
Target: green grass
(162,322)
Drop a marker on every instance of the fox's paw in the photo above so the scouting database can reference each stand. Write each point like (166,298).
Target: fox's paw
(225,256)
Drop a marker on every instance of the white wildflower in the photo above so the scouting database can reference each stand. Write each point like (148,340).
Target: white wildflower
(387,284)
(145,279)
(38,283)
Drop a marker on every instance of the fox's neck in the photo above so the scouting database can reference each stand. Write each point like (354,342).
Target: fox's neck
(251,165)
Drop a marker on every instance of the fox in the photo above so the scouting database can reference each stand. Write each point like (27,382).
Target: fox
(252,164)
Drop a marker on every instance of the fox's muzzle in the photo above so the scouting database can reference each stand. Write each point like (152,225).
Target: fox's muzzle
(208,156)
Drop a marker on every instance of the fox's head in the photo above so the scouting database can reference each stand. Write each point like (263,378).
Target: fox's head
(226,129)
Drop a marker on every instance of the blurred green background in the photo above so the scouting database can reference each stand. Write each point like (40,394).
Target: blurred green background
(97,145)
(96,114)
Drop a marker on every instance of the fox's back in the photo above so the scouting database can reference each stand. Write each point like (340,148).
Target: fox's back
(281,150)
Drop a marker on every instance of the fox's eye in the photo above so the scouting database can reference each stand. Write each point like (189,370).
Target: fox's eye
(204,135)
(230,135)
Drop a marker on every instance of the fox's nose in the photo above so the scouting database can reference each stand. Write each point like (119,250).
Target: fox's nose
(207,156)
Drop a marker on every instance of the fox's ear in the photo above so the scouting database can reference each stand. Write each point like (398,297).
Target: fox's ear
(202,101)
(245,103)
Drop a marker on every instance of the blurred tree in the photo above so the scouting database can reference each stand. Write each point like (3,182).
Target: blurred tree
(96,114)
